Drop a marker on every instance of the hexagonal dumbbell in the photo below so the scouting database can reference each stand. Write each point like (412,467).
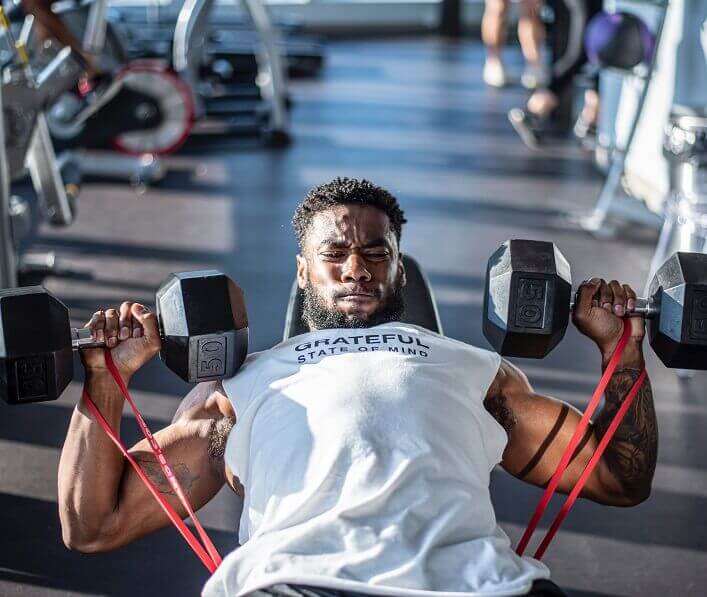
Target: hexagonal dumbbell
(526,298)
(527,304)
(202,320)
(678,331)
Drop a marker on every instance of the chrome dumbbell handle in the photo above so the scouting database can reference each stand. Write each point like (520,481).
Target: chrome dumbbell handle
(82,338)
(645,307)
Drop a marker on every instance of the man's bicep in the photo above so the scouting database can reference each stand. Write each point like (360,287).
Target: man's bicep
(541,430)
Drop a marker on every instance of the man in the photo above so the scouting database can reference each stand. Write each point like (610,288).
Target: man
(534,122)
(365,446)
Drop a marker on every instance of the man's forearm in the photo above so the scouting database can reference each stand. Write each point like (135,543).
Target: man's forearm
(91,467)
(631,455)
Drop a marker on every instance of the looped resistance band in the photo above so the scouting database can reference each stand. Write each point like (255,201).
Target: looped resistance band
(207,552)
(574,442)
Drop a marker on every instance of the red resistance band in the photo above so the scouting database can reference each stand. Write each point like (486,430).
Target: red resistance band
(574,442)
(207,553)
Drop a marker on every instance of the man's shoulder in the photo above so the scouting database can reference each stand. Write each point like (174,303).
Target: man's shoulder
(254,359)
(455,342)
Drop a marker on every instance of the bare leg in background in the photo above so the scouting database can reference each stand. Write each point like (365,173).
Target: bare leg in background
(531,34)
(493,34)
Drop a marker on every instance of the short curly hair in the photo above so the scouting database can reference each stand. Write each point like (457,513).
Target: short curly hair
(341,191)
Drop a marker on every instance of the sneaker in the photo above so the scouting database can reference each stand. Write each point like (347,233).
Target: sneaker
(527,125)
(494,73)
(534,76)
(586,133)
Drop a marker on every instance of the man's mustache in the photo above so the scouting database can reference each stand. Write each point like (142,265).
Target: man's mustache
(360,290)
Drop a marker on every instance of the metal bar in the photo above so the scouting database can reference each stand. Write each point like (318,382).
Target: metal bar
(82,338)
(46,177)
(8,264)
(647,308)
(189,43)
(272,79)
(94,37)
(143,169)
(26,31)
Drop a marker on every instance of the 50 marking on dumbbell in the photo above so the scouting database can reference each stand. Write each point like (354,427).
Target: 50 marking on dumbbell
(528,300)
(203,328)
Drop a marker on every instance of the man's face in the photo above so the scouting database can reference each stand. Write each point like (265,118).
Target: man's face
(350,269)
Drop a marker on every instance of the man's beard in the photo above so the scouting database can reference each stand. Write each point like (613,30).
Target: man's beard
(318,316)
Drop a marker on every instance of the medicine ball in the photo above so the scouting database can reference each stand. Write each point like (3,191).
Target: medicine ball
(618,40)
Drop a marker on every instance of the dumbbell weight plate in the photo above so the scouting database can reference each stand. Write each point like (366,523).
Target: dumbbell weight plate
(679,335)
(36,362)
(203,321)
(204,325)
(526,298)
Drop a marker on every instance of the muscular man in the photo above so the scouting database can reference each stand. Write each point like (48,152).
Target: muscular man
(364,447)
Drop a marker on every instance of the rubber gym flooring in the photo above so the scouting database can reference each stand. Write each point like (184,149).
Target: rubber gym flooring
(414,116)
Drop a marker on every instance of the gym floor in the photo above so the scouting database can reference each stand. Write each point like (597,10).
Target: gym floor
(412,116)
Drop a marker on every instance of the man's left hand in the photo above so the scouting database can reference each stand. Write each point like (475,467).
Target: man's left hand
(598,313)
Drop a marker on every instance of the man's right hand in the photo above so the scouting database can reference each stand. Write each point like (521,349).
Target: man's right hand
(131,334)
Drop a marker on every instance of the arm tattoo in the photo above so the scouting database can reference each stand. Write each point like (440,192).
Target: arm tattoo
(497,407)
(154,472)
(218,435)
(631,455)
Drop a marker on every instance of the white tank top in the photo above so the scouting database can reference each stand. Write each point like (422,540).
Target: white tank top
(365,457)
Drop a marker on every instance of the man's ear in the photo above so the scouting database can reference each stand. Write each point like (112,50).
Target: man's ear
(401,271)
(301,271)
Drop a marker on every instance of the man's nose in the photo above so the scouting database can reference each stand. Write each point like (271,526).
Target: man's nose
(355,269)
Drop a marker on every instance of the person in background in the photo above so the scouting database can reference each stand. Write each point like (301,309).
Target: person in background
(534,121)
(531,33)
